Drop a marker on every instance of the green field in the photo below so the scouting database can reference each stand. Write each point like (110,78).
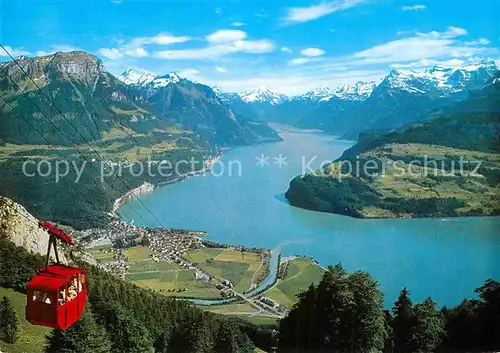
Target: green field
(231,264)
(165,277)
(31,338)
(301,273)
(99,254)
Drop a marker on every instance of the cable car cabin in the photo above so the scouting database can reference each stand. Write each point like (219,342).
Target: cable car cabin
(57,296)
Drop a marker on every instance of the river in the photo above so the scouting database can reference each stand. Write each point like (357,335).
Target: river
(241,202)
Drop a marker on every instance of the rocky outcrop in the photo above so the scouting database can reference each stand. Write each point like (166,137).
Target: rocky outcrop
(20,227)
(76,65)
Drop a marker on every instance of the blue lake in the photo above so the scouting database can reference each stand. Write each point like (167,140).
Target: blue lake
(242,203)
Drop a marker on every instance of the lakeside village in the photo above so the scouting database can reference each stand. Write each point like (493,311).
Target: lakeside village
(170,246)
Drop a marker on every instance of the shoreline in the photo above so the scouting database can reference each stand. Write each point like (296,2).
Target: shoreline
(148,187)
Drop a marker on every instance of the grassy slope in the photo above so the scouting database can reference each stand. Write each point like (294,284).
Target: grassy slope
(301,273)
(31,338)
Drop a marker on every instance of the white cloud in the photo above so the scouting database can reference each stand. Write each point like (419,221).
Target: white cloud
(254,46)
(137,52)
(312,52)
(13,51)
(189,73)
(480,41)
(451,32)
(213,51)
(286,50)
(159,39)
(135,46)
(226,35)
(303,14)
(414,8)
(111,53)
(218,11)
(220,69)
(237,24)
(430,45)
(300,61)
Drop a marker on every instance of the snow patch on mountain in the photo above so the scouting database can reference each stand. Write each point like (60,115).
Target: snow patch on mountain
(264,95)
(134,78)
(441,81)
(357,92)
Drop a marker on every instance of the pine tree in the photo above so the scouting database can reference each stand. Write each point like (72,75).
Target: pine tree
(84,336)
(402,325)
(8,322)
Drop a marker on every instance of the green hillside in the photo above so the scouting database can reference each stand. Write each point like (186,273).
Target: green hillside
(448,166)
(31,338)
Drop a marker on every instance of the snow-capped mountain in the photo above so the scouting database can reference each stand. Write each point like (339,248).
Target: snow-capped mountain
(357,92)
(317,95)
(440,81)
(263,95)
(134,78)
(225,96)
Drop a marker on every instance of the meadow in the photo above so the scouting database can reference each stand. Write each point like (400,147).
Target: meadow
(301,273)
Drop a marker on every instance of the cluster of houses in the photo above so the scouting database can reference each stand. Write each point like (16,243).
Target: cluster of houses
(268,301)
(116,230)
(171,244)
(225,288)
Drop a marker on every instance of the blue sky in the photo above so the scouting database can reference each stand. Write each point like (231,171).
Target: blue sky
(289,46)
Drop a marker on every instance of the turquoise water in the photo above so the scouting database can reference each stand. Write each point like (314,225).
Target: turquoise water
(442,258)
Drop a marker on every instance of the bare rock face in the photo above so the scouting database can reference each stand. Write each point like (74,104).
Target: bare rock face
(20,227)
(76,65)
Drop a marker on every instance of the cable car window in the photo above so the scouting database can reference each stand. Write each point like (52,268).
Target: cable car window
(62,295)
(37,296)
(72,288)
(42,297)
(81,282)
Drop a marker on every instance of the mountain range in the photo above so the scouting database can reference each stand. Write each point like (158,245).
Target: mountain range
(92,101)
(402,97)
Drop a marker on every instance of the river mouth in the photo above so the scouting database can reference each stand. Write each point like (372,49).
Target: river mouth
(442,258)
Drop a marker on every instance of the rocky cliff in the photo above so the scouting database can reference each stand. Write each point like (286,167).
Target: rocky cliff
(19,226)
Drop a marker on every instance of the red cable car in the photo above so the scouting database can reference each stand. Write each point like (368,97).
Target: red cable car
(58,293)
